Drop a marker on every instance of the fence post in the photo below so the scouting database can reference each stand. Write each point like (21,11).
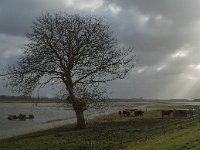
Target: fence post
(90,142)
(164,128)
(121,140)
(146,136)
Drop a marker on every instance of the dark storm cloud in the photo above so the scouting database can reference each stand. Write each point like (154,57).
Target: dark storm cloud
(159,30)
(180,11)
(167,27)
(165,35)
(16,16)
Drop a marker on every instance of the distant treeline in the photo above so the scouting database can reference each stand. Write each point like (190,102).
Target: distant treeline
(6,98)
(148,100)
(196,100)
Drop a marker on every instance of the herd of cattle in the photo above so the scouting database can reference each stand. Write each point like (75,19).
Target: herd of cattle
(164,113)
(177,113)
(128,112)
(20,117)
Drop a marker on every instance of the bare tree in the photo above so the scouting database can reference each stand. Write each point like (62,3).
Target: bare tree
(77,53)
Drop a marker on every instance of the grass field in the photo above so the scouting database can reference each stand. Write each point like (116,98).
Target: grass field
(185,139)
(170,106)
(114,132)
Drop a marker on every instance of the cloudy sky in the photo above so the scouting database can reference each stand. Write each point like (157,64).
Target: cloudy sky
(165,35)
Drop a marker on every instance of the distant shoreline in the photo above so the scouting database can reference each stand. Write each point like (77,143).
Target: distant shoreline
(110,100)
(28,99)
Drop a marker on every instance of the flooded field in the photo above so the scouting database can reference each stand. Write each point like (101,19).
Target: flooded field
(47,115)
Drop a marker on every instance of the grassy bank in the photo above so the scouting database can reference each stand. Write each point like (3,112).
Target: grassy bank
(188,138)
(171,106)
(113,132)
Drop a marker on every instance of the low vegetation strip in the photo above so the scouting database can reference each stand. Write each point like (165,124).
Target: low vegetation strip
(110,132)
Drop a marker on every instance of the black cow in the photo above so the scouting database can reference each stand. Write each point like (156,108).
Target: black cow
(166,113)
(180,113)
(120,113)
(31,116)
(138,113)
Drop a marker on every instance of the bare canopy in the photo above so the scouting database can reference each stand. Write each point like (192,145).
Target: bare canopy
(78,53)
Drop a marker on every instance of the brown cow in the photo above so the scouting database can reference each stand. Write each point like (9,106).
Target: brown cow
(126,112)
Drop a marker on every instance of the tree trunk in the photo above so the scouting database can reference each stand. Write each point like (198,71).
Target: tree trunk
(79,107)
(80,120)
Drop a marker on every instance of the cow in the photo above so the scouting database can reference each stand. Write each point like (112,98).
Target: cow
(12,117)
(31,116)
(126,112)
(138,113)
(120,113)
(22,116)
(180,113)
(166,113)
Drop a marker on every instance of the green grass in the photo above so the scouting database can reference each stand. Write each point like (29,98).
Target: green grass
(110,132)
(170,106)
(188,138)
